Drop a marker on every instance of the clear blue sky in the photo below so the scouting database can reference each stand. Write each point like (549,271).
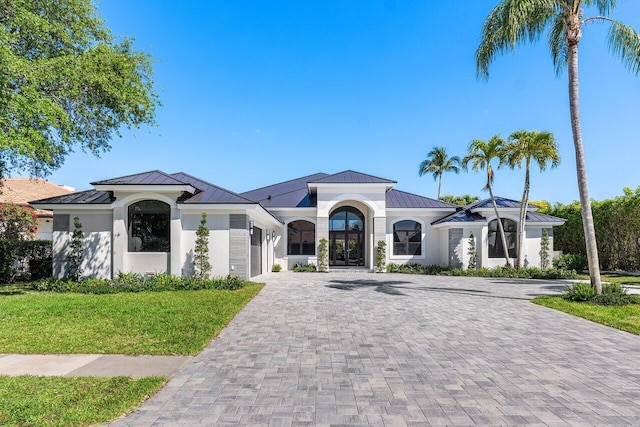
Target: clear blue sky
(259,92)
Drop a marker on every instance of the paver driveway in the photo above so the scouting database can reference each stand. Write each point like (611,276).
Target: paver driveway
(388,349)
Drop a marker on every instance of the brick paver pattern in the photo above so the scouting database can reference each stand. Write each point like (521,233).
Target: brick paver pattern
(390,349)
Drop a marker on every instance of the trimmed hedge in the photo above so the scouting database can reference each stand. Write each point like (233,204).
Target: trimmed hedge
(25,260)
(132,282)
(511,273)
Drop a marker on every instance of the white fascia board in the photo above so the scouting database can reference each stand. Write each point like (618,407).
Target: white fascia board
(136,188)
(354,186)
(459,224)
(430,211)
(258,209)
(290,210)
(544,224)
(73,207)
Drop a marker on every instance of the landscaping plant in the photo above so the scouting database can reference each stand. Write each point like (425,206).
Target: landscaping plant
(201,251)
(76,251)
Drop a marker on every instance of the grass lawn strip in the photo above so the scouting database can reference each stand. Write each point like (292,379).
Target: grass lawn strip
(60,401)
(626,318)
(615,278)
(150,323)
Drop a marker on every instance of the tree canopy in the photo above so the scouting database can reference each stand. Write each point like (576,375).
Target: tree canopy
(65,81)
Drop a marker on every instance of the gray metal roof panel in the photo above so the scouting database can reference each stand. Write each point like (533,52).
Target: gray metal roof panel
(402,199)
(351,177)
(292,193)
(87,197)
(539,217)
(461,216)
(155,177)
(501,202)
(208,193)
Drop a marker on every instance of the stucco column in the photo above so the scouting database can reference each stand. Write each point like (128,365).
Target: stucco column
(379,233)
(176,244)
(119,242)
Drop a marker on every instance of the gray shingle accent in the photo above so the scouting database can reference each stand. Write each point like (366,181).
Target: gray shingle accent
(239,245)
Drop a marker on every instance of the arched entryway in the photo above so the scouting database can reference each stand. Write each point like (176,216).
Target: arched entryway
(346,237)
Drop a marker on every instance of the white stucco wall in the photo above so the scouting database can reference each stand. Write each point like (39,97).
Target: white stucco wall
(218,225)
(45,229)
(431,238)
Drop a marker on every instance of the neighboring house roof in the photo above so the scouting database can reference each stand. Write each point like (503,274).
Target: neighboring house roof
(145,178)
(351,177)
(402,199)
(208,193)
(292,193)
(22,190)
(466,215)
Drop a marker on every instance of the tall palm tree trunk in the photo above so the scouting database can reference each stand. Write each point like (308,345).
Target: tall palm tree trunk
(581,168)
(500,227)
(439,186)
(523,213)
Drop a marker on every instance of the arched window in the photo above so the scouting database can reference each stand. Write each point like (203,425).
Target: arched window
(301,238)
(407,238)
(495,241)
(149,226)
(346,219)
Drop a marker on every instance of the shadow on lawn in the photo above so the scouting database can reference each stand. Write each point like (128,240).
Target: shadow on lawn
(10,289)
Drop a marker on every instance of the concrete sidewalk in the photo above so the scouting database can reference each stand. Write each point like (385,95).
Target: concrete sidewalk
(91,365)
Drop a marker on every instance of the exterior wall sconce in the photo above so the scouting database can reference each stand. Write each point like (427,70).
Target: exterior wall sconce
(251,227)
(268,235)
(273,235)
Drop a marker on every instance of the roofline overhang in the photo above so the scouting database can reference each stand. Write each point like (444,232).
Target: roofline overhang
(431,210)
(261,210)
(154,188)
(490,209)
(311,186)
(72,206)
(458,223)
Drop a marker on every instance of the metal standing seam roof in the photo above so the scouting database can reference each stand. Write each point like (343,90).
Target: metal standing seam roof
(501,202)
(465,214)
(292,193)
(351,177)
(155,177)
(402,199)
(87,197)
(209,193)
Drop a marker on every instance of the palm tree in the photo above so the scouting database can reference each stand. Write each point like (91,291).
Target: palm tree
(437,163)
(525,146)
(480,154)
(513,22)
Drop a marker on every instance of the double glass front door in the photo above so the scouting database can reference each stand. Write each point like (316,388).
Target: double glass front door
(346,237)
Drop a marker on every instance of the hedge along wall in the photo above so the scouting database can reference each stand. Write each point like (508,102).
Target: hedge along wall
(617,224)
(25,260)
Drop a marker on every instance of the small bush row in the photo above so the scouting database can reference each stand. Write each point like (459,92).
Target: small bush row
(511,273)
(304,268)
(132,282)
(612,294)
(574,262)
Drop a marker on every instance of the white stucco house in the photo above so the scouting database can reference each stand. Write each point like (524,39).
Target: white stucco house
(146,223)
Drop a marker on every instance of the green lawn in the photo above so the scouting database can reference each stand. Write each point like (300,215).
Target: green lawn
(179,322)
(59,401)
(615,278)
(626,318)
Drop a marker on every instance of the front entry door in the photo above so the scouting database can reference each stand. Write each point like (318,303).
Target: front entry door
(346,238)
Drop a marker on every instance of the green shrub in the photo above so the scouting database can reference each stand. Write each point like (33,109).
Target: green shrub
(579,292)
(25,260)
(574,262)
(132,282)
(613,294)
(498,272)
(276,268)
(304,268)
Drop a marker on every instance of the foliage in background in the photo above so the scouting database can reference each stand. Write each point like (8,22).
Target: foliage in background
(25,260)
(472,252)
(544,249)
(504,272)
(66,81)
(464,200)
(201,251)
(16,222)
(323,255)
(76,251)
(617,224)
(571,262)
(304,268)
(381,256)
(133,282)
